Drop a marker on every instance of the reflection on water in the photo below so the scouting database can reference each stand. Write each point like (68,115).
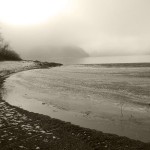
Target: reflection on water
(103,60)
(113,100)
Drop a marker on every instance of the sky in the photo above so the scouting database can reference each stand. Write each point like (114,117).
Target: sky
(100,27)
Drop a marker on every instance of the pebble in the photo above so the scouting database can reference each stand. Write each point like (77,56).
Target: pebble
(21,146)
(37,148)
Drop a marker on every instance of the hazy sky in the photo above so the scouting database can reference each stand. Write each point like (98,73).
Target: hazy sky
(106,27)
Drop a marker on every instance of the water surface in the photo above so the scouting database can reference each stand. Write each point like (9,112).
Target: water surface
(102,60)
(109,99)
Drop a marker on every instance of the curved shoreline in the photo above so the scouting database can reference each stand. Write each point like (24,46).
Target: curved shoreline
(58,134)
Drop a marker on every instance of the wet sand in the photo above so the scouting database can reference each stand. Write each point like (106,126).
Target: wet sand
(35,131)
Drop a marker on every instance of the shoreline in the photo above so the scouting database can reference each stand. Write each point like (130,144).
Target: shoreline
(37,131)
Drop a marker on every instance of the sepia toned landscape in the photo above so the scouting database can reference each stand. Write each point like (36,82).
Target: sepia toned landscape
(74,75)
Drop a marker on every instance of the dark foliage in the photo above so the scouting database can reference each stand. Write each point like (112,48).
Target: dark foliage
(6,53)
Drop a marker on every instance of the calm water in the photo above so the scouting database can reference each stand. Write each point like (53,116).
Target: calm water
(103,60)
(112,100)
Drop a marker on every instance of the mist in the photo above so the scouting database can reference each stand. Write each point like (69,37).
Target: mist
(99,27)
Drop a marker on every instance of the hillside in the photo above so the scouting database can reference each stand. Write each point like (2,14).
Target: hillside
(46,53)
(6,53)
(9,55)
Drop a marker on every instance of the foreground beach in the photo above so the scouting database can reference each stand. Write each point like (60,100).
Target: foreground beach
(20,129)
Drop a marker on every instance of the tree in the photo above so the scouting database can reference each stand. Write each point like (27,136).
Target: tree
(6,53)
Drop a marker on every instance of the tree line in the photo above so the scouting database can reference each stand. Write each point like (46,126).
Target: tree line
(6,53)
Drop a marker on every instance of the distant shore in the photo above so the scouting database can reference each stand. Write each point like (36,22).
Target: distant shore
(20,129)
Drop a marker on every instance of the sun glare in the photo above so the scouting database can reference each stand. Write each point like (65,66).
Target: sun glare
(26,12)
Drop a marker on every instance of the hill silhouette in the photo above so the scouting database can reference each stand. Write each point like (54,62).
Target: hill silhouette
(56,52)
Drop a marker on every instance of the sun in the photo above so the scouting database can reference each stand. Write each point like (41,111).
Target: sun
(27,12)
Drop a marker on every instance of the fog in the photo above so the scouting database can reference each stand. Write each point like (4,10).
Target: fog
(100,27)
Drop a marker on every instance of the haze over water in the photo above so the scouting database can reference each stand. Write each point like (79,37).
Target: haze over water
(102,60)
(109,99)
(100,27)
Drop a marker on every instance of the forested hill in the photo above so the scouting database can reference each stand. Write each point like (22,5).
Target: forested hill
(6,53)
(47,52)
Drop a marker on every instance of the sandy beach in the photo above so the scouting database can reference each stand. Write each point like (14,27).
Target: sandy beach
(21,129)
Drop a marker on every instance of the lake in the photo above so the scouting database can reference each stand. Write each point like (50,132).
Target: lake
(113,99)
(102,60)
